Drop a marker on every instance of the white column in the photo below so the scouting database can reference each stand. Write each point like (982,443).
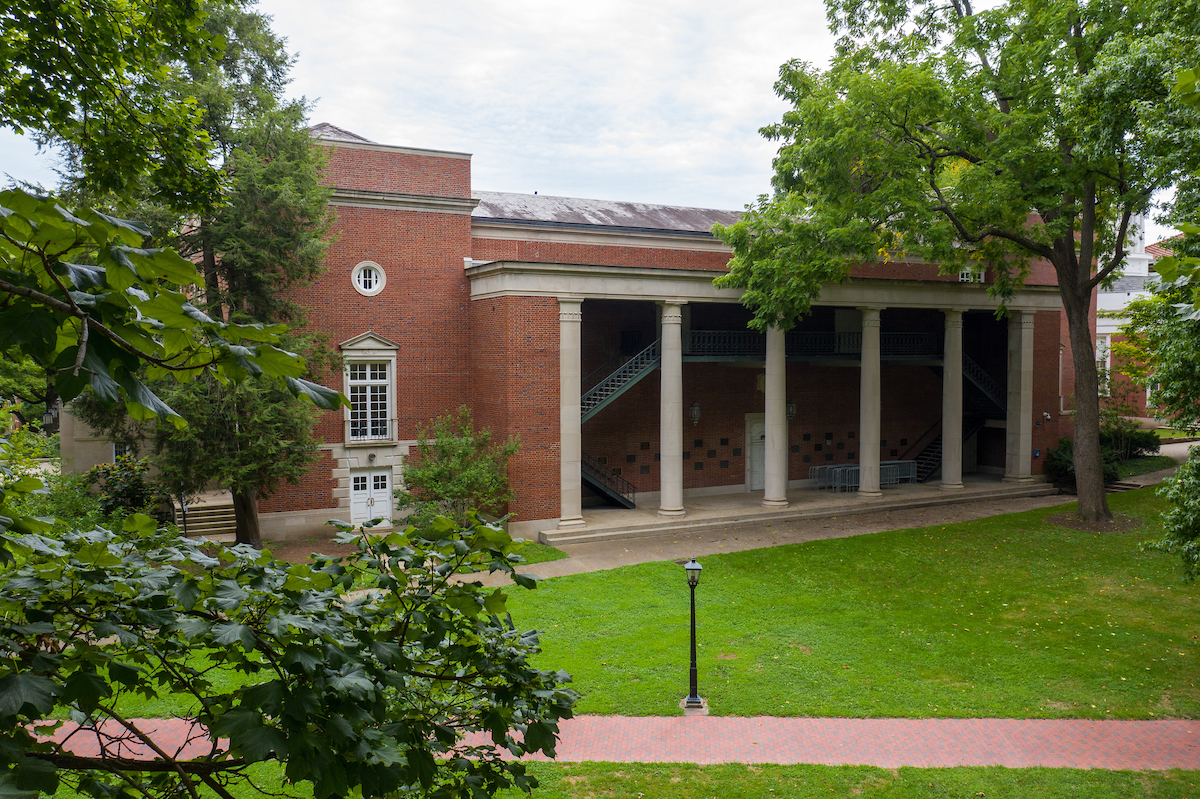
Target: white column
(869,402)
(570,435)
(952,399)
(775,474)
(671,413)
(1018,449)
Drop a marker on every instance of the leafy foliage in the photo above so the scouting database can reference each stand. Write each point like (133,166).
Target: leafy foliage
(373,690)
(96,76)
(125,486)
(976,140)
(1182,522)
(457,469)
(1060,465)
(82,297)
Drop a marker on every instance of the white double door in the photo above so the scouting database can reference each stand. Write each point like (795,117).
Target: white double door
(370,494)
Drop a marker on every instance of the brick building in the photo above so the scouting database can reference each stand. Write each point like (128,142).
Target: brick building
(593,331)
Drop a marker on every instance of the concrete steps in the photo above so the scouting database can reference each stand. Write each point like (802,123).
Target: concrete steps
(1120,486)
(214,522)
(801,510)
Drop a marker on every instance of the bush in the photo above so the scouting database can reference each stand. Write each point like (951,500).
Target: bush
(1060,465)
(1129,442)
(67,500)
(1182,521)
(126,488)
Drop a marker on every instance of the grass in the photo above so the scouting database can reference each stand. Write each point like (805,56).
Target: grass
(734,781)
(1169,432)
(1144,465)
(540,553)
(1011,616)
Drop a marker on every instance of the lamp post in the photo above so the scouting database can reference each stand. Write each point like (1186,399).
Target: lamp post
(693,700)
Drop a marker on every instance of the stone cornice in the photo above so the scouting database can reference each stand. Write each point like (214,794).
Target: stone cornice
(598,236)
(403,202)
(391,148)
(524,279)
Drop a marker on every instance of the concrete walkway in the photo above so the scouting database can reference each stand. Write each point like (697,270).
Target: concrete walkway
(887,743)
(719,528)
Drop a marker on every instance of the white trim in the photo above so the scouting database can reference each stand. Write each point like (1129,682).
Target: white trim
(390,148)
(377,278)
(525,279)
(357,198)
(694,241)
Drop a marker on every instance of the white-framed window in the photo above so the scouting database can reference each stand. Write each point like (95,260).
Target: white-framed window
(368,278)
(970,276)
(370,393)
(1103,365)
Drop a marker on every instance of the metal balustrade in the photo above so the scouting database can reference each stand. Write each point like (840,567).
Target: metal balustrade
(607,481)
(715,343)
(986,384)
(620,380)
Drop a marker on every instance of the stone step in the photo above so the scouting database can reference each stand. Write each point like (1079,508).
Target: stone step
(585,536)
(1121,486)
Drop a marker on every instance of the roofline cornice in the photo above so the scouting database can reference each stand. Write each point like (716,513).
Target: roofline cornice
(391,148)
(612,236)
(402,202)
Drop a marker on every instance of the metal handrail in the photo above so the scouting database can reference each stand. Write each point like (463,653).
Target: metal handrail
(985,382)
(349,425)
(727,342)
(643,361)
(597,375)
(606,476)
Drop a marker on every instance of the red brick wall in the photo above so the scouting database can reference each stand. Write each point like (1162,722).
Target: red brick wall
(599,255)
(1045,385)
(422,308)
(514,390)
(398,172)
(315,490)
(1041,273)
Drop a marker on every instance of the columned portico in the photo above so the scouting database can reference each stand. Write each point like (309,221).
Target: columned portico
(952,402)
(671,412)
(776,465)
(1018,451)
(869,406)
(570,316)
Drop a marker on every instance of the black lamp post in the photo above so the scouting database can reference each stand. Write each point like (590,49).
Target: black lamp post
(693,699)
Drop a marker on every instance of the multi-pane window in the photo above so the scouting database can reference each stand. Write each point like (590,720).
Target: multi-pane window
(369,401)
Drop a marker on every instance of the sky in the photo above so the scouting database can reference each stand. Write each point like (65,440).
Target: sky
(656,102)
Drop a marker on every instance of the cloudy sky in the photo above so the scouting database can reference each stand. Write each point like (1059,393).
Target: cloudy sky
(620,99)
(656,102)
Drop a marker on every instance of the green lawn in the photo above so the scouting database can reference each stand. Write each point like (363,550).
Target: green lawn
(1011,616)
(729,781)
(1144,465)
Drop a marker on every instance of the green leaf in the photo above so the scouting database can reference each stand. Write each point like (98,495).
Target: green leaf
(320,396)
(29,694)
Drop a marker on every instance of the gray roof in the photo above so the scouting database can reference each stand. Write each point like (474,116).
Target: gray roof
(323,130)
(1130,283)
(547,211)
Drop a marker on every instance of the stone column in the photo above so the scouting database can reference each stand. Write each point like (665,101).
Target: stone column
(869,402)
(570,435)
(1018,445)
(671,412)
(952,402)
(776,466)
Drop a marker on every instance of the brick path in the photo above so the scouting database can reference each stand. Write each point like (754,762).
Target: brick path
(889,743)
(1138,745)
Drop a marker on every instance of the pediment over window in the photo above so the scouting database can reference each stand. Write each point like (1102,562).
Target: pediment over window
(366,343)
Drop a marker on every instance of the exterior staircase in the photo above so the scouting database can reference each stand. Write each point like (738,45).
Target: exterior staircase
(606,483)
(929,456)
(620,381)
(215,522)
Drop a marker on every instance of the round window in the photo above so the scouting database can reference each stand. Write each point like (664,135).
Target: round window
(368,278)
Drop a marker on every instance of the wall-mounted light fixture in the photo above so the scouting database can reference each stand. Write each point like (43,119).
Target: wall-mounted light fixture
(694,413)
(791,411)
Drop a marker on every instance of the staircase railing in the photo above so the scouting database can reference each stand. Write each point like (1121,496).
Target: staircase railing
(606,477)
(716,343)
(984,382)
(599,373)
(616,383)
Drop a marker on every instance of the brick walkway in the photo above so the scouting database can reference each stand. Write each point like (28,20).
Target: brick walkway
(888,743)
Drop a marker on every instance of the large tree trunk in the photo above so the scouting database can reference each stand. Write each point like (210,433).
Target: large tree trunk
(245,511)
(1089,468)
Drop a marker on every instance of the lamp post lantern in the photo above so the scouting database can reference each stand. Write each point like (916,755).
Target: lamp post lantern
(693,700)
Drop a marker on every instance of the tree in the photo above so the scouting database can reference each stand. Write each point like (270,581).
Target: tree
(94,75)
(975,139)
(268,235)
(355,693)
(456,471)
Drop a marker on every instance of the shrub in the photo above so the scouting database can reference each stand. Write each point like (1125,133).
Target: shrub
(1129,441)
(125,487)
(1060,465)
(1182,521)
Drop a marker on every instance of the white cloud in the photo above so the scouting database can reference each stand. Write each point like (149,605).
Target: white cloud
(656,102)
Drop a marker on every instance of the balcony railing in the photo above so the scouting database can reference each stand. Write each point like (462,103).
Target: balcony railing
(369,431)
(752,345)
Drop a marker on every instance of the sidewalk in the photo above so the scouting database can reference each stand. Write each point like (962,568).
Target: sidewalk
(888,743)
